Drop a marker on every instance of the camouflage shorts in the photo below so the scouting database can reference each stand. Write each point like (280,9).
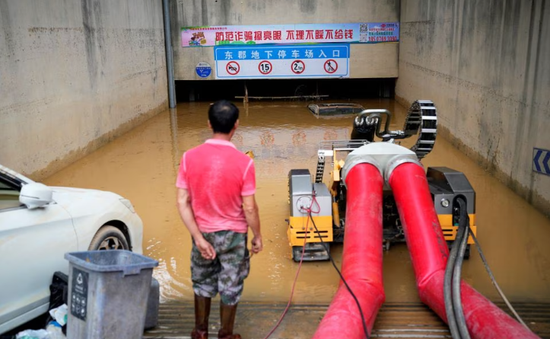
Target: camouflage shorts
(227,272)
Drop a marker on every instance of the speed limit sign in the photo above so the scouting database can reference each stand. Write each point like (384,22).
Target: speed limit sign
(265,67)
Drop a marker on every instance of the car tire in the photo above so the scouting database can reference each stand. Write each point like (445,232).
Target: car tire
(109,238)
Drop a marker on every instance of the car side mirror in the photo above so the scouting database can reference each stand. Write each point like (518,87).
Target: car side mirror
(35,195)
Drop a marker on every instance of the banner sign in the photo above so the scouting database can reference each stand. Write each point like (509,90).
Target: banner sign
(383,32)
(294,61)
(205,36)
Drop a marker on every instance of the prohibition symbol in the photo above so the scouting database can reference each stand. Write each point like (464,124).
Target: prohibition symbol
(232,68)
(330,66)
(265,67)
(298,67)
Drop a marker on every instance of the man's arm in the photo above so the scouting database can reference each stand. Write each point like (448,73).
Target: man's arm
(253,220)
(188,217)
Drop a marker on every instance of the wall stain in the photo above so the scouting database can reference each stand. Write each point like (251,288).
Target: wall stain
(258,6)
(177,9)
(195,15)
(94,38)
(204,6)
(7,28)
(308,6)
(224,12)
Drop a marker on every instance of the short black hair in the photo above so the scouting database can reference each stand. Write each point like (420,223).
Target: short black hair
(222,116)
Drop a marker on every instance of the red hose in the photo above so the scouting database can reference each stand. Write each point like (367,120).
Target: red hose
(429,255)
(361,258)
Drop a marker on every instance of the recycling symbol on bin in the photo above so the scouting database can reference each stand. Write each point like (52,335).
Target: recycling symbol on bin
(79,293)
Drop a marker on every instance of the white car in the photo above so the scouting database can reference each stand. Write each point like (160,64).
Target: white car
(39,224)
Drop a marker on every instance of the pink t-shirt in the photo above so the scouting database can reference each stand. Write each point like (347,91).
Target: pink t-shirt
(217,176)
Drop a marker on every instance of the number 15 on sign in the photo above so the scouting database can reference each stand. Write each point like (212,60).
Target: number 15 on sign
(265,67)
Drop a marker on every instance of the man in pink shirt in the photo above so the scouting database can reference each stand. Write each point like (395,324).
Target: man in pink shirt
(216,186)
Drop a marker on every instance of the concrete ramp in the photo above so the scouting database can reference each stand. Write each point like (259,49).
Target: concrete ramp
(395,320)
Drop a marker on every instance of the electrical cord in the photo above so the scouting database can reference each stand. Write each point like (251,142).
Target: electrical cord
(493,280)
(365,329)
(293,285)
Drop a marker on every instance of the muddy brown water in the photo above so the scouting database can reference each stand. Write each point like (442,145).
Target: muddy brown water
(142,166)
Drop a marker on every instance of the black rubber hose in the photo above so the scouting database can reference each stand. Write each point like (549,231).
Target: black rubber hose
(447,291)
(462,238)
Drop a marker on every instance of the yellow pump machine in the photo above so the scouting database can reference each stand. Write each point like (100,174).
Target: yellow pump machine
(318,210)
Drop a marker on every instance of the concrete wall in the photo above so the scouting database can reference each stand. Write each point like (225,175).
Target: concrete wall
(367,61)
(74,75)
(485,64)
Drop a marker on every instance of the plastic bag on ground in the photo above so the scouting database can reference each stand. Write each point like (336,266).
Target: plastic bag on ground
(59,314)
(33,334)
(54,331)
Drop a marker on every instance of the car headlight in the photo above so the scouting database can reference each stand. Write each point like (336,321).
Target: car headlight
(128,204)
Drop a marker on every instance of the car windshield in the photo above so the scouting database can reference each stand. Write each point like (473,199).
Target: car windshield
(9,194)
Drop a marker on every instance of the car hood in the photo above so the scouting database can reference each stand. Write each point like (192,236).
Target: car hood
(69,196)
(87,191)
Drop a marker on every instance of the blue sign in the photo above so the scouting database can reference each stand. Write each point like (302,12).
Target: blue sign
(282,61)
(541,161)
(203,69)
(284,52)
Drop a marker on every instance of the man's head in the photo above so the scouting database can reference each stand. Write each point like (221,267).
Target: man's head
(222,116)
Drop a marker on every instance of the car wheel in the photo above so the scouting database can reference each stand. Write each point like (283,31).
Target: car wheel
(109,238)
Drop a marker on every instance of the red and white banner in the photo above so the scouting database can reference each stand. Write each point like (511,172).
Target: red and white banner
(205,36)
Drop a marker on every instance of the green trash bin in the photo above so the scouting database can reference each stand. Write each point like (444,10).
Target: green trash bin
(108,293)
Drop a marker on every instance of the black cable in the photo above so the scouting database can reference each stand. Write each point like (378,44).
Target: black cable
(493,280)
(452,281)
(447,292)
(462,238)
(342,277)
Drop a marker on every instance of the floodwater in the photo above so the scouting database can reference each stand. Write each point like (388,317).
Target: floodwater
(142,165)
